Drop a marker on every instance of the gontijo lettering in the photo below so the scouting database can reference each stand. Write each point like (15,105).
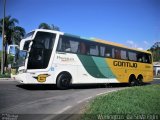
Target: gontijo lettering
(124,64)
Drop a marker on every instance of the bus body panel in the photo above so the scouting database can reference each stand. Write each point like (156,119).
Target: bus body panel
(123,69)
(71,63)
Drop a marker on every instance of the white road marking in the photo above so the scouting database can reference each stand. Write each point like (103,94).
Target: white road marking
(106,92)
(5,80)
(80,101)
(64,109)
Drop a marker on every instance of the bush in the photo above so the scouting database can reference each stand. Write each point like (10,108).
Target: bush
(6,75)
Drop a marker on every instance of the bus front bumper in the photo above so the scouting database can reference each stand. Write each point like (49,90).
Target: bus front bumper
(21,78)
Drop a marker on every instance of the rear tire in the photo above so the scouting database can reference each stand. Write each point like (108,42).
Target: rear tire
(140,80)
(63,81)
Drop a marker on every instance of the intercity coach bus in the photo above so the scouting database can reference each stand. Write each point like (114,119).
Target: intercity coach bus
(54,57)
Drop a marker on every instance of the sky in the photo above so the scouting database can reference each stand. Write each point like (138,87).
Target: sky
(134,23)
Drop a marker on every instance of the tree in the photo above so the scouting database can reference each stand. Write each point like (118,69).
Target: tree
(155,49)
(18,34)
(47,26)
(12,33)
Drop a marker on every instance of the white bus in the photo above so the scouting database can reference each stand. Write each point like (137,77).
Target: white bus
(53,57)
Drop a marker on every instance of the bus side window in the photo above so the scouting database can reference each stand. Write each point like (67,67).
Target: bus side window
(93,49)
(61,45)
(132,56)
(108,51)
(117,54)
(149,58)
(139,57)
(102,51)
(124,54)
(146,58)
(83,48)
(74,46)
(67,46)
(113,55)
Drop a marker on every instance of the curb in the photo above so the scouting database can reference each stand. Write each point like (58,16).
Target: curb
(5,79)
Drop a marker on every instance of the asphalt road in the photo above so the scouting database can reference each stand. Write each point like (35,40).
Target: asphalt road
(45,102)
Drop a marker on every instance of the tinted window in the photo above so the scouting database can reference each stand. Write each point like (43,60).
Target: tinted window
(41,50)
(143,57)
(124,54)
(77,45)
(108,51)
(26,45)
(132,56)
(116,53)
(68,44)
(93,49)
(83,48)
(80,46)
(102,51)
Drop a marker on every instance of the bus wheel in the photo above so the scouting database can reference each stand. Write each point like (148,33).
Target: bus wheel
(140,80)
(132,81)
(64,81)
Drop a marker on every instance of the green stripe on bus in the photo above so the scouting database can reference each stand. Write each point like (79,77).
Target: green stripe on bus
(90,66)
(103,67)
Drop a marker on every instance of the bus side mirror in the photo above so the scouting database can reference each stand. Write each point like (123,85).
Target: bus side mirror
(12,49)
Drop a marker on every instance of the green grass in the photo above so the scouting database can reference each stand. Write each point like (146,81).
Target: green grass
(142,100)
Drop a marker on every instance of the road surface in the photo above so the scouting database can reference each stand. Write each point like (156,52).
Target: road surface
(45,102)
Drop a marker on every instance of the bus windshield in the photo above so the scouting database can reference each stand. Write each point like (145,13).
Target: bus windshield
(20,57)
(41,50)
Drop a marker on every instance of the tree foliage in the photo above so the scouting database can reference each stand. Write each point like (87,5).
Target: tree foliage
(12,33)
(47,26)
(155,49)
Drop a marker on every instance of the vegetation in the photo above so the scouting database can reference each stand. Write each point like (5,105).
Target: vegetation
(155,49)
(12,33)
(6,75)
(9,61)
(47,26)
(131,102)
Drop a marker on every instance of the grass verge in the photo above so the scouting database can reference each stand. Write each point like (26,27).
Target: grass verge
(142,102)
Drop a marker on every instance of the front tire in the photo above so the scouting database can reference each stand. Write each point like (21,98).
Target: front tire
(63,81)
